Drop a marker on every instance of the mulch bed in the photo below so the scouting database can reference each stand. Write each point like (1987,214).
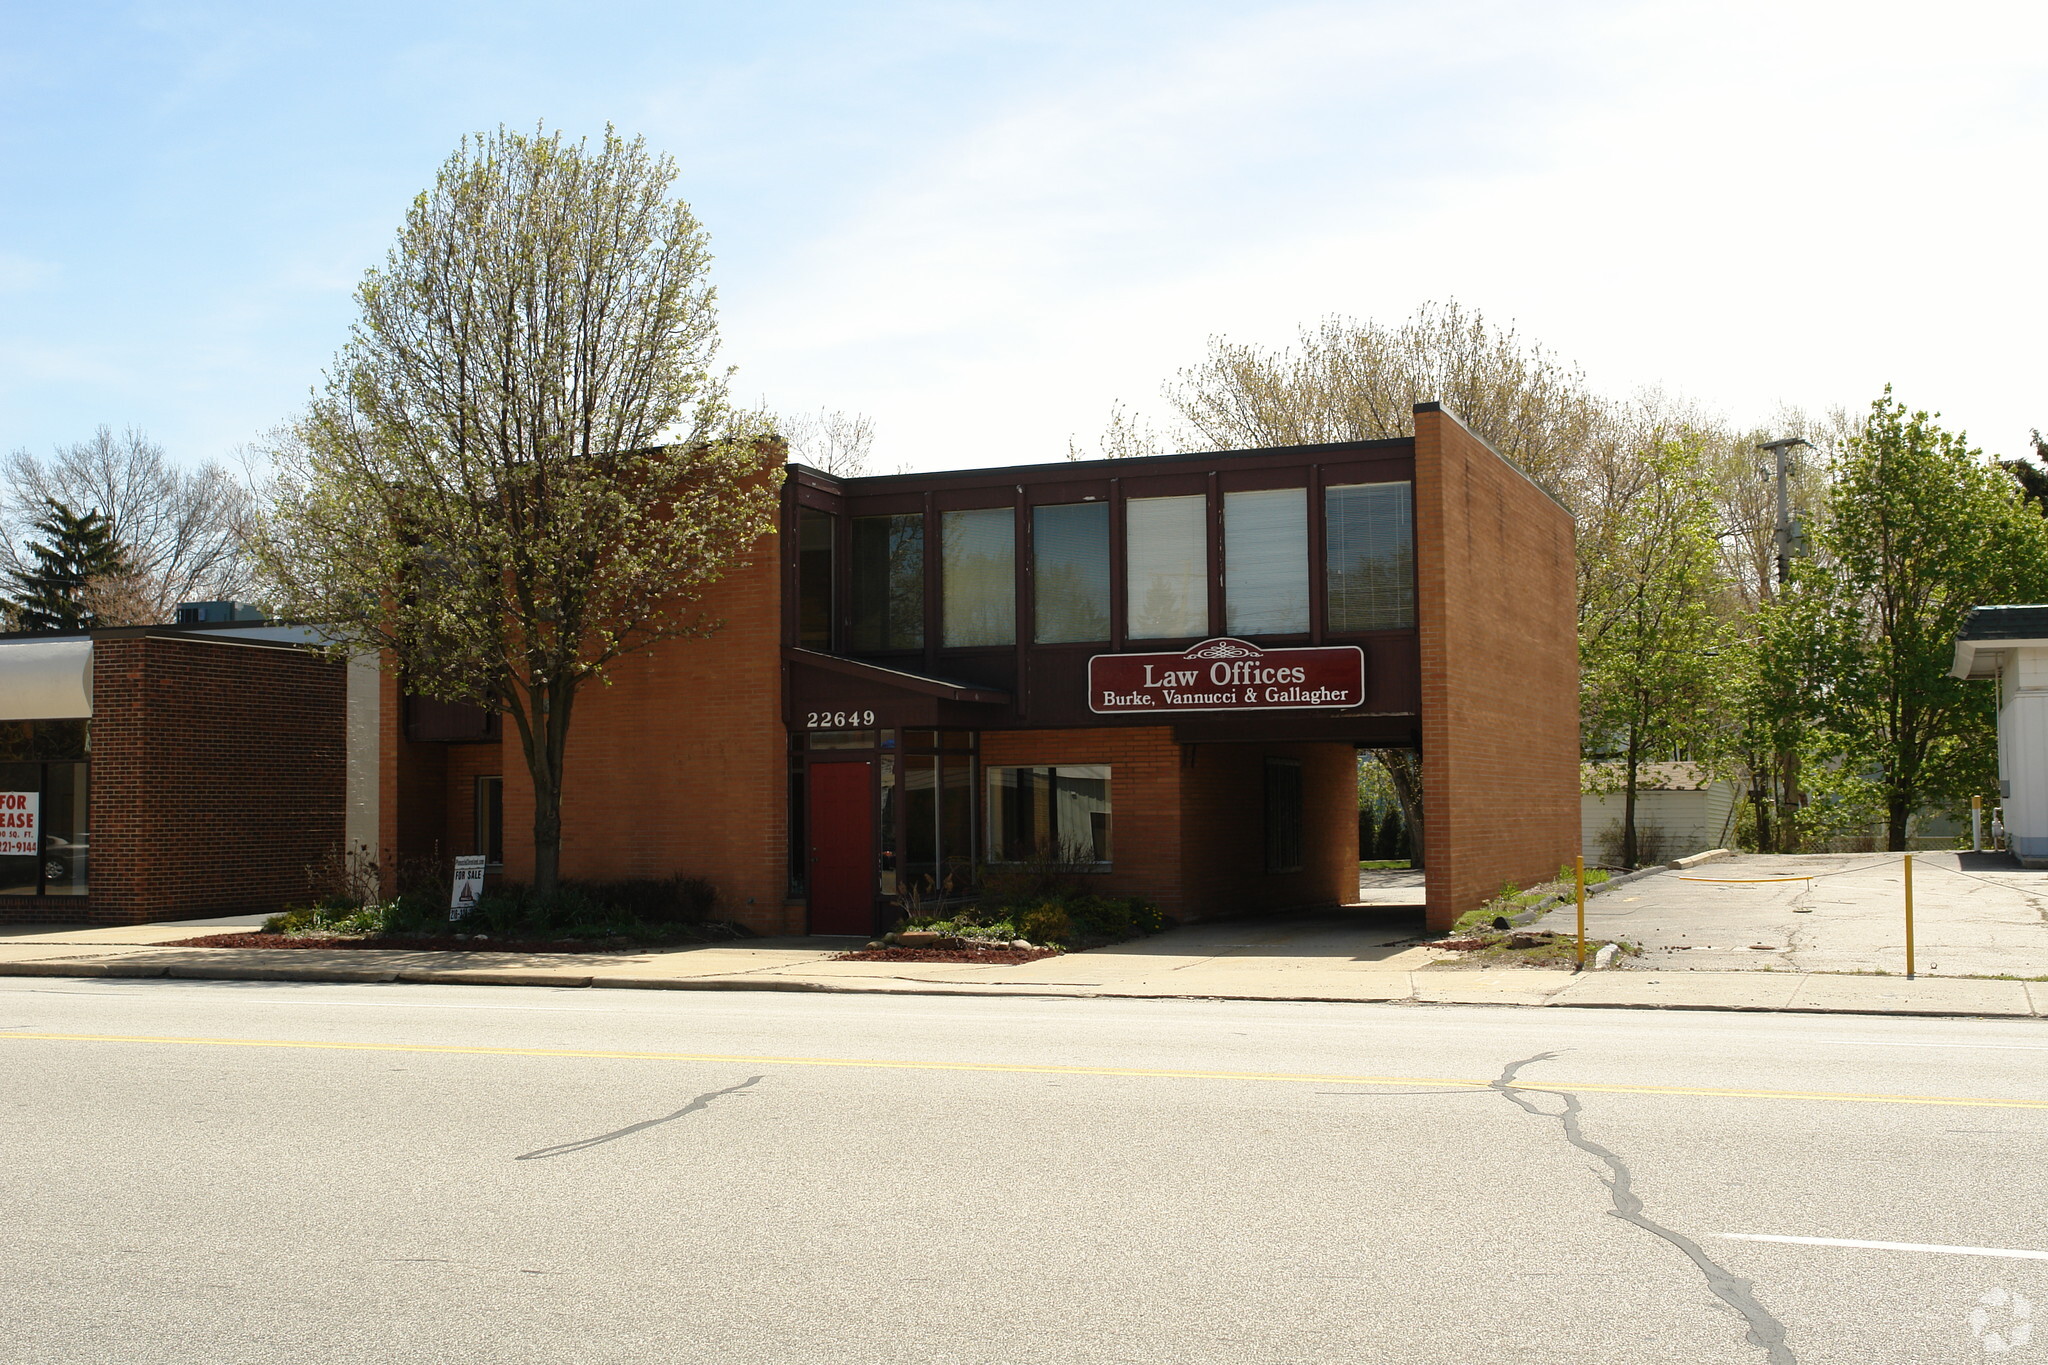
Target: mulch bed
(987,957)
(438,944)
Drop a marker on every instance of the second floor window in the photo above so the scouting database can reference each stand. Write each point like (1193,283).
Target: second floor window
(980,577)
(1265,561)
(888,583)
(1166,567)
(1370,545)
(1070,550)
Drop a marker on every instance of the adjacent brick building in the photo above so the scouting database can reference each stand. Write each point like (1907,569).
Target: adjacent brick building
(900,697)
(174,773)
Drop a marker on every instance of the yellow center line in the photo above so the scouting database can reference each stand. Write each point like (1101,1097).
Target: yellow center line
(1008,1068)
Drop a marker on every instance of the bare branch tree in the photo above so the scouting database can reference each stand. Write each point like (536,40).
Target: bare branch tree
(833,442)
(180,529)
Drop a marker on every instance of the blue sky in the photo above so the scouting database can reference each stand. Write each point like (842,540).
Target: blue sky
(982,224)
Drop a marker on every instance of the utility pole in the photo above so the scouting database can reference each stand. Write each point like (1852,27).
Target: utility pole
(1787,532)
(1785,542)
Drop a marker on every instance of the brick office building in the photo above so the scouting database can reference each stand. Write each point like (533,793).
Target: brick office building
(1157,671)
(165,773)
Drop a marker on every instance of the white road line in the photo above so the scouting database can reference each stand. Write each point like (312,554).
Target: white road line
(2010,1253)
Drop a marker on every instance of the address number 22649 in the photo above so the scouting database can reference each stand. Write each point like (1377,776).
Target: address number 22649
(837,720)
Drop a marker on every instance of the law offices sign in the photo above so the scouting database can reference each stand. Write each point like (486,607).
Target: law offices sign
(1227,675)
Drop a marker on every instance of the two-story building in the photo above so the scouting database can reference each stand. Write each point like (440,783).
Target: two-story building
(1156,672)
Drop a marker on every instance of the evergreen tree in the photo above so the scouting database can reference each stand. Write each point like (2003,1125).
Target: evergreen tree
(54,591)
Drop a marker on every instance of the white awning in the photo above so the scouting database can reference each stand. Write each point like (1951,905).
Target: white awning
(45,679)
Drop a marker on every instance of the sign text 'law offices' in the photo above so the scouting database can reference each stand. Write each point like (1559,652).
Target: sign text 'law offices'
(1228,675)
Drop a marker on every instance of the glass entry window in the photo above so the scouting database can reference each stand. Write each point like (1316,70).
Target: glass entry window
(1055,815)
(938,823)
(45,789)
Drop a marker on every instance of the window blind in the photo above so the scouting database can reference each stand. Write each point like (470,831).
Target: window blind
(1166,567)
(1370,556)
(1265,561)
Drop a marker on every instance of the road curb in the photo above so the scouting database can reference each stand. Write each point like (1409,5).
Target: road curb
(1012,991)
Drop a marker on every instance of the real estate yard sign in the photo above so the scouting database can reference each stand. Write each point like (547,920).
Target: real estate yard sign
(18,812)
(469,884)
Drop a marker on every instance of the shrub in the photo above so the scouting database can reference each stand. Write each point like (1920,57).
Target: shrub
(1045,923)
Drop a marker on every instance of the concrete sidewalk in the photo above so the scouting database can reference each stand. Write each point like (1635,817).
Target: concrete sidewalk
(1340,956)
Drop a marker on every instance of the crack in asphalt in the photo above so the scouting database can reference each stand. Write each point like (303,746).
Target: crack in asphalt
(585,1144)
(1764,1329)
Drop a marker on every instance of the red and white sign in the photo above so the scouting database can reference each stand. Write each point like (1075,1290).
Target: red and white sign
(18,825)
(1227,675)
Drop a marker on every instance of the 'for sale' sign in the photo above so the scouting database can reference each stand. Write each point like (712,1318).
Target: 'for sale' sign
(18,824)
(469,884)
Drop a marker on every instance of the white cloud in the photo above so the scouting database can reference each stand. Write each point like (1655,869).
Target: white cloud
(1787,202)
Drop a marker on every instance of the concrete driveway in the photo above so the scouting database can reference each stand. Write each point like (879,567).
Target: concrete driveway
(1975,914)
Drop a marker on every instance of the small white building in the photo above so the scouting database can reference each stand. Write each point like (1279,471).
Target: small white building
(1681,808)
(2010,644)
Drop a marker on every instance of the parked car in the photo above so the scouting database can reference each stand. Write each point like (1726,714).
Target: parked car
(63,860)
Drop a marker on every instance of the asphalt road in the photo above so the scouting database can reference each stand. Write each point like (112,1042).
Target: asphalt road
(260,1172)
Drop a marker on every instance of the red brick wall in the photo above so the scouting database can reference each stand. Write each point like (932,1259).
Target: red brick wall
(1497,619)
(218,776)
(680,765)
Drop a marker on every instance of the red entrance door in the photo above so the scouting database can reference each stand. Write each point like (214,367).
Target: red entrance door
(842,828)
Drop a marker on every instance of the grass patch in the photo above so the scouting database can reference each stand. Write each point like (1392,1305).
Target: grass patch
(1386,865)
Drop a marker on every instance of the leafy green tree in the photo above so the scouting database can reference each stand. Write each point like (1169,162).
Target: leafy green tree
(1653,683)
(1918,528)
(522,465)
(55,589)
(2032,475)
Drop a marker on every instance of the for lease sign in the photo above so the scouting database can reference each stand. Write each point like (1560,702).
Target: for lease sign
(18,824)
(1228,675)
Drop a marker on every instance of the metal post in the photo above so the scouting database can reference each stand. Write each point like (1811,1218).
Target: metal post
(1976,824)
(1580,864)
(1909,917)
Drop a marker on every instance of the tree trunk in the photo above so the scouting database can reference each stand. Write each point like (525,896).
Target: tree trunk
(546,740)
(1404,766)
(1787,797)
(1897,806)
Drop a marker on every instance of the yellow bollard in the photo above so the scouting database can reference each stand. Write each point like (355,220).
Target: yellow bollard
(1909,917)
(1580,863)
